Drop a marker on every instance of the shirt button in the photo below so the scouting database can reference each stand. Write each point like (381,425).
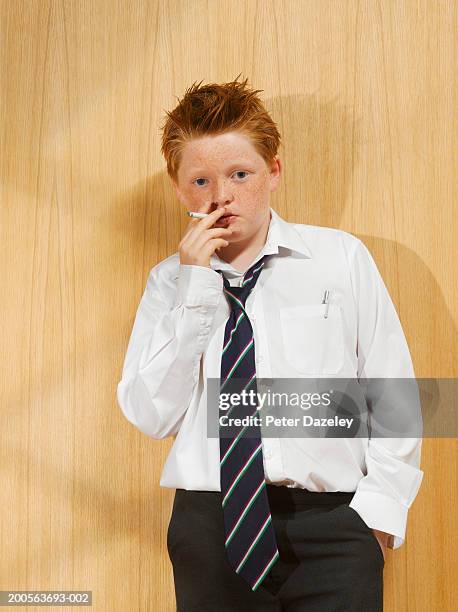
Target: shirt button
(268,454)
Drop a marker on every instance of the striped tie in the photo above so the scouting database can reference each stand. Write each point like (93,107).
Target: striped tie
(249,533)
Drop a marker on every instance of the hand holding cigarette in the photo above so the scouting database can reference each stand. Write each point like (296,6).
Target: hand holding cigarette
(201,239)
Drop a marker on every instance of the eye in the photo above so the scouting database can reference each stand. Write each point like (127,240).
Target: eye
(195,181)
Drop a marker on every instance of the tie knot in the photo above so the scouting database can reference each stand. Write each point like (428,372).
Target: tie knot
(238,295)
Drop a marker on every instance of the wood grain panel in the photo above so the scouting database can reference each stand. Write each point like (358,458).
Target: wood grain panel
(365,96)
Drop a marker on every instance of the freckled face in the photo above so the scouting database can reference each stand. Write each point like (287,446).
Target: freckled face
(227,170)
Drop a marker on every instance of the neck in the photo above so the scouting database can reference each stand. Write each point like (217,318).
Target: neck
(241,254)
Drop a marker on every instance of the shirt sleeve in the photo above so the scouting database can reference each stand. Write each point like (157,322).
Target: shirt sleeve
(161,366)
(393,475)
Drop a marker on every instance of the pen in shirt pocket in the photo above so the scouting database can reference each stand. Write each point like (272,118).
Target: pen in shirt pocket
(326,301)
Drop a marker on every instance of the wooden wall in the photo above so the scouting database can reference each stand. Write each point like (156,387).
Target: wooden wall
(365,96)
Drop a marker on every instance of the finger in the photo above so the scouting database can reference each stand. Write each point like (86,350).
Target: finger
(212,218)
(193,221)
(206,222)
(212,234)
(203,208)
(197,227)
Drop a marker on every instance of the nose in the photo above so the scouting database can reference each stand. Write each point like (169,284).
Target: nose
(223,194)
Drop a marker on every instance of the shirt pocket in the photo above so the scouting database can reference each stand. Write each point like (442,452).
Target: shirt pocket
(312,343)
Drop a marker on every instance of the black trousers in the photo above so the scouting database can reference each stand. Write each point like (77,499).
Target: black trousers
(330,560)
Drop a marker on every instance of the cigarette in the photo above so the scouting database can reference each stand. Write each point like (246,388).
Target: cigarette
(197,215)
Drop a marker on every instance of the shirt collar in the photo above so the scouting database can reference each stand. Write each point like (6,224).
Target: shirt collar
(281,233)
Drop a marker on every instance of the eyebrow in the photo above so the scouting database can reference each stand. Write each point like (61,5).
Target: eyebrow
(230,166)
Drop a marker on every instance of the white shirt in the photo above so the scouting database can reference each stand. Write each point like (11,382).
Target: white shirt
(176,344)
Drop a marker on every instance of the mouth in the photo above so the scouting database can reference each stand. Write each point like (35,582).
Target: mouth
(227,219)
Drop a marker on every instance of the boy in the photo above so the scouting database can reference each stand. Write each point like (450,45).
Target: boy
(272,523)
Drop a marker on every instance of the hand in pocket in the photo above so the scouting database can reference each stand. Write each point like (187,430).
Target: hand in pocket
(382,538)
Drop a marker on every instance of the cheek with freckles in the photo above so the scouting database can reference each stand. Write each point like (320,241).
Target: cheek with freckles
(192,197)
(253,199)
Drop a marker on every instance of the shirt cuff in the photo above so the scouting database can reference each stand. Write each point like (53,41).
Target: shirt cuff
(383,513)
(198,286)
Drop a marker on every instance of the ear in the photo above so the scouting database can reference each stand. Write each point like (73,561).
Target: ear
(275,173)
(177,191)
(276,165)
